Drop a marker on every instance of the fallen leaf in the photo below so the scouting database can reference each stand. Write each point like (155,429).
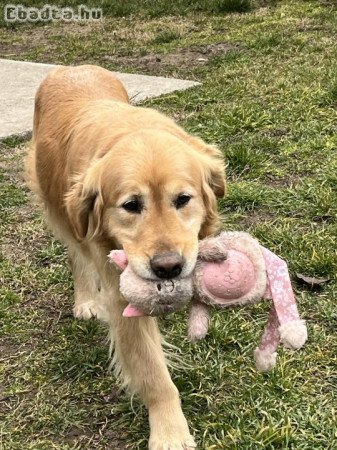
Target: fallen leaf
(312,281)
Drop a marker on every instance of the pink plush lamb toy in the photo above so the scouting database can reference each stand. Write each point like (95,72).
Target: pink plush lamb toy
(232,269)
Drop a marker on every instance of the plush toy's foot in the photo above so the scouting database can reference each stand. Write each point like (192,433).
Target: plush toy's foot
(294,334)
(197,331)
(198,321)
(264,360)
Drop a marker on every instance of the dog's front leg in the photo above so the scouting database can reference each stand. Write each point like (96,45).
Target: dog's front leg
(140,358)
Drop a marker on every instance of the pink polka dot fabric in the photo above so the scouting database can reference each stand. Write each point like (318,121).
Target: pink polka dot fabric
(279,287)
(283,313)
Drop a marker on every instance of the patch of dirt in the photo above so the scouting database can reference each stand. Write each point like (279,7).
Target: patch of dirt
(288,181)
(257,217)
(88,439)
(101,434)
(309,28)
(308,25)
(25,39)
(7,348)
(328,3)
(280,132)
(20,243)
(11,161)
(184,58)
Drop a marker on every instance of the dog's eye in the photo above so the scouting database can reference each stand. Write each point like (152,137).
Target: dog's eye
(182,200)
(134,206)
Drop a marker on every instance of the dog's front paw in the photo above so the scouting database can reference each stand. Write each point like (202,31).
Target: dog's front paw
(177,442)
(90,309)
(85,310)
(170,433)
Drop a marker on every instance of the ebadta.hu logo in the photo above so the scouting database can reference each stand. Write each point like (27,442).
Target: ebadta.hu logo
(47,13)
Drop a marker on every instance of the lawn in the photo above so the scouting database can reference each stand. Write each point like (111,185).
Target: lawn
(268,98)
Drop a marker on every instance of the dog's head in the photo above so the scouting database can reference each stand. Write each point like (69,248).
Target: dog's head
(155,195)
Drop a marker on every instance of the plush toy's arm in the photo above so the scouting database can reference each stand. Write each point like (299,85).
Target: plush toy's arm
(212,250)
(198,321)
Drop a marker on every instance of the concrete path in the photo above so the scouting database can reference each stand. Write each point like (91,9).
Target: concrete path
(19,81)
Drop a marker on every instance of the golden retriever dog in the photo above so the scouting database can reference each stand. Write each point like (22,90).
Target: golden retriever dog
(112,175)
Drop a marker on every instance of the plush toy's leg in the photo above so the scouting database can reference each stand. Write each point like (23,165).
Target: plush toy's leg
(265,353)
(293,331)
(198,321)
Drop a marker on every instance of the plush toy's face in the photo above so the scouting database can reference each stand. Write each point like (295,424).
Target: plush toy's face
(156,203)
(155,298)
(149,297)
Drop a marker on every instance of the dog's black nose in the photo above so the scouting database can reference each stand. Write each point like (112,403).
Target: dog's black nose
(167,265)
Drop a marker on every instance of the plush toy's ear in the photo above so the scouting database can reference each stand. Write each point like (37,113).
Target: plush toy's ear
(84,206)
(119,258)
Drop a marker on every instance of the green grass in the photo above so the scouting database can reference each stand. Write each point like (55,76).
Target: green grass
(268,98)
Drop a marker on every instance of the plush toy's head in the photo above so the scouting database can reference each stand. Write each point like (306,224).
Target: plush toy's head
(150,297)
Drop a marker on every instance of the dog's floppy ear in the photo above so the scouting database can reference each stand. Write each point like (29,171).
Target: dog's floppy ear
(214,186)
(84,206)
(212,159)
(216,171)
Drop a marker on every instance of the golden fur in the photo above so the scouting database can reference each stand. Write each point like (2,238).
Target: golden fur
(90,153)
